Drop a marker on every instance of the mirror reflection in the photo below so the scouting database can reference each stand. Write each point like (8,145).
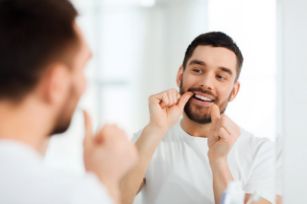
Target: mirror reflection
(194,88)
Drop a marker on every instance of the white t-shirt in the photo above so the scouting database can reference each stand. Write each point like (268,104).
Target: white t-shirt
(24,179)
(179,171)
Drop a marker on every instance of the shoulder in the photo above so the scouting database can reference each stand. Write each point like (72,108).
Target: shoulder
(254,150)
(248,141)
(75,187)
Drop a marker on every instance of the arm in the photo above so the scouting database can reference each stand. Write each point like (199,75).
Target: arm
(165,109)
(260,201)
(223,135)
(221,178)
(133,181)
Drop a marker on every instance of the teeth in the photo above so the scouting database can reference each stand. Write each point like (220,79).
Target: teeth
(203,98)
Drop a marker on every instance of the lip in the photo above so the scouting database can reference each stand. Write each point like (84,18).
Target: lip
(208,99)
(201,103)
(209,96)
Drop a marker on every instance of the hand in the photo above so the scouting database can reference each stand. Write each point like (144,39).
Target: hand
(166,107)
(223,134)
(109,154)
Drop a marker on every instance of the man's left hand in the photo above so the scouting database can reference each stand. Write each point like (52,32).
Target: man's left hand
(223,134)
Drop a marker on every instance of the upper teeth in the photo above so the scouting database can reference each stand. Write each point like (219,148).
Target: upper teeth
(204,98)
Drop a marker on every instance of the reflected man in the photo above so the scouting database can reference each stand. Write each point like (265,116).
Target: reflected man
(194,160)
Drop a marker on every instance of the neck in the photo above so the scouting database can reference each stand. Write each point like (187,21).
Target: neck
(195,129)
(24,123)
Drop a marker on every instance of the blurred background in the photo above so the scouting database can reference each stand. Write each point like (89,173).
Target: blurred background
(138,46)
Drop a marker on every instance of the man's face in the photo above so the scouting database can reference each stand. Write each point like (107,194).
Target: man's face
(210,74)
(77,85)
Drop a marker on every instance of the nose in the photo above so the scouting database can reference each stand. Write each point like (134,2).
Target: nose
(207,82)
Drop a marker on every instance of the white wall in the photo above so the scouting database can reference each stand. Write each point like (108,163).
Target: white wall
(171,26)
(254,109)
(294,96)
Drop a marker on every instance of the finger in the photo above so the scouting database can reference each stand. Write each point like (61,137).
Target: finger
(105,132)
(215,113)
(172,97)
(223,133)
(231,127)
(169,98)
(229,123)
(112,132)
(184,99)
(178,96)
(212,139)
(164,101)
(88,128)
(226,123)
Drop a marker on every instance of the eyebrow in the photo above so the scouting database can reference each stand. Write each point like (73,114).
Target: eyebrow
(225,69)
(199,62)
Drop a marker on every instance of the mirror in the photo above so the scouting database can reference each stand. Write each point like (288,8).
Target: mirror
(138,46)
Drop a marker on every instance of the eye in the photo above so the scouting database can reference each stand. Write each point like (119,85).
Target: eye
(197,70)
(221,77)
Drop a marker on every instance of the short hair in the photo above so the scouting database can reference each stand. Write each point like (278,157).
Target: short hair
(215,39)
(33,33)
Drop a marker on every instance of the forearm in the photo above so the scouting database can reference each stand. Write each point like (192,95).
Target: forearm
(221,178)
(146,145)
(112,188)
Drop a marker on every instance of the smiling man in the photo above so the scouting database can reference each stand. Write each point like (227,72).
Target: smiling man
(194,160)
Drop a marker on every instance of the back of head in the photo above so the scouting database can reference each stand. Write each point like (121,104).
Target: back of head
(215,39)
(33,34)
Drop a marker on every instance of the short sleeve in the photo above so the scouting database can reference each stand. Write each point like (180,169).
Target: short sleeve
(261,178)
(90,190)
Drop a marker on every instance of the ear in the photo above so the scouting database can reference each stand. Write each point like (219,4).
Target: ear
(55,83)
(234,91)
(179,76)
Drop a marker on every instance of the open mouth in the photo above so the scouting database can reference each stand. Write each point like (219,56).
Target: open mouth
(203,98)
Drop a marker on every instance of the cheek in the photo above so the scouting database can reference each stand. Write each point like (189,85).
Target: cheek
(188,82)
(80,84)
(225,94)
(83,84)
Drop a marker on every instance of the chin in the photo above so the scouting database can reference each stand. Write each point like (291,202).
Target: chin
(200,120)
(61,128)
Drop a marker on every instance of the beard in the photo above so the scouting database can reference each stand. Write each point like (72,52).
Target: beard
(64,117)
(198,113)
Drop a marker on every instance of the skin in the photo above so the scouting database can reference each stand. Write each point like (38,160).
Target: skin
(211,71)
(278,199)
(51,105)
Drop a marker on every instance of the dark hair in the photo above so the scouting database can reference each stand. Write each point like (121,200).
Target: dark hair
(33,33)
(215,39)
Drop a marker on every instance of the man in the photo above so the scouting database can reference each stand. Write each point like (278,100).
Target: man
(42,62)
(193,161)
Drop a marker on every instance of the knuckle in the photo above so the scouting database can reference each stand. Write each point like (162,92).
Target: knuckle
(223,120)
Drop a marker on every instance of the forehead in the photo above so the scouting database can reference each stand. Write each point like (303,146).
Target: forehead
(215,56)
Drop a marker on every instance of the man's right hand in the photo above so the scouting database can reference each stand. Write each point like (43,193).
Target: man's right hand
(166,107)
(109,155)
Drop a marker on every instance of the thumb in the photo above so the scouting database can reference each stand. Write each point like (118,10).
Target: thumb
(88,129)
(184,99)
(215,113)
